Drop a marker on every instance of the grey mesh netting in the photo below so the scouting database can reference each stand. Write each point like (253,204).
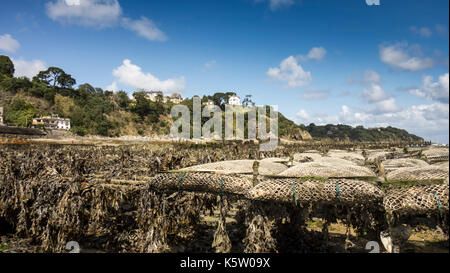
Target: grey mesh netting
(202,182)
(418,200)
(327,169)
(312,191)
(306,157)
(337,161)
(379,155)
(393,164)
(354,157)
(266,167)
(444,164)
(423,173)
(436,152)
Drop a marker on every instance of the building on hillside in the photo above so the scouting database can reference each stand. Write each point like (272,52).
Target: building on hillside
(154,95)
(234,100)
(1,116)
(52,122)
(159,95)
(176,98)
(209,104)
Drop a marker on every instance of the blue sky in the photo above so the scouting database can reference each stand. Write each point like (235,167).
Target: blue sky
(319,61)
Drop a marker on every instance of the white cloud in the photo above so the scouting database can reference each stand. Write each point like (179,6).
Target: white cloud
(94,13)
(315,53)
(145,27)
(382,102)
(423,31)
(100,14)
(314,94)
(210,64)
(385,106)
(397,56)
(112,87)
(429,121)
(374,94)
(303,115)
(73,2)
(371,76)
(277,4)
(438,91)
(8,43)
(28,69)
(291,73)
(132,75)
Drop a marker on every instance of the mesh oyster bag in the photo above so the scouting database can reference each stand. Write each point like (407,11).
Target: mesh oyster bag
(422,173)
(394,164)
(418,200)
(312,191)
(327,169)
(202,182)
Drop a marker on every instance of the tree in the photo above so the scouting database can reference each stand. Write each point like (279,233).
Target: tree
(220,99)
(56,77)
(86,88)
(248,101)
(122,99)
(14,85)
(6,66)
(64,105)
(142,107)
(20,113)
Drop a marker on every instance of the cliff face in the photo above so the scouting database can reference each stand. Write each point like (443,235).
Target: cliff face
(297,134)
(305,135)
(289,130)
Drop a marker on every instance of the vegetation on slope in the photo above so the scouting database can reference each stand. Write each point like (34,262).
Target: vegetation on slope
(94,111)
(359,133)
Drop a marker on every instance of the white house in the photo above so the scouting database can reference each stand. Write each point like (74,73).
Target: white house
(63,124)
(176,98)
(153,95)
(234,100)
(52,122)
(209,104)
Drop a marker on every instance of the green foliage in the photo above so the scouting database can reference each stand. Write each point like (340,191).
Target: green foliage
(20,113)
(146,109)
(40,90)
(14,85)
(142,105)
(288,128)
(91,107)
(88,117)
(55,77)
(248,101)
(6,66)
(122,99)
(360,133)
(4,246)
(86,88)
